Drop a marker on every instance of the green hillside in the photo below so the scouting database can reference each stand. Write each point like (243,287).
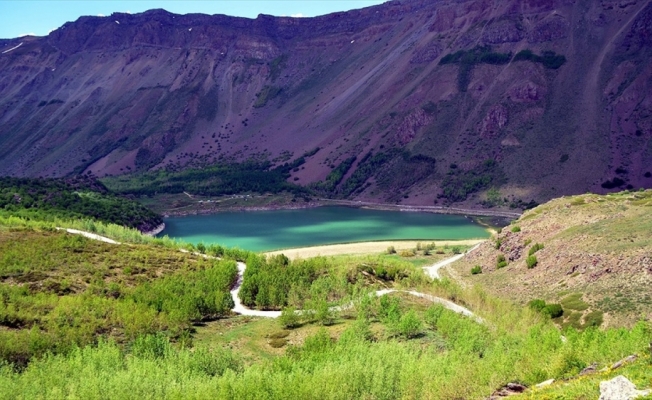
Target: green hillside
(85,319)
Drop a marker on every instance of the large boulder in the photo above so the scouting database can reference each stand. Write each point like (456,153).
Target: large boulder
(620,388)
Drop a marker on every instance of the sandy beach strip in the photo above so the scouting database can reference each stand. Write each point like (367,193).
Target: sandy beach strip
(366,247)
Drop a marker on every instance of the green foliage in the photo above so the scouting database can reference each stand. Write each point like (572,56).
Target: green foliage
(410,325)
(476,270)
(531,261)
(498,243)
(367,167)
(549,59)
(456,250)
(216,180)
(437,366)
(574,302)
(553,310)
(391,250)
(536,247)
(389,310)
(593,319)
(459,184)
(59,291)
(73,198)
(494,197)
(537,304)
(269,281)
(432,315)
(550,310)
(289,318)
(516,229)
(501,262)
(335,176)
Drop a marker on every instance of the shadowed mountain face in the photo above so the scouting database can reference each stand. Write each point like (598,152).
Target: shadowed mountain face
(434,98)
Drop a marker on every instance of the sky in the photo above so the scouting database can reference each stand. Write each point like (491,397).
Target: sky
(39,17)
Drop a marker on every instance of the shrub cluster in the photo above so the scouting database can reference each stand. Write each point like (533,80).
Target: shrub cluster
(216,180)
(536,247)
(552,310)
(501,262)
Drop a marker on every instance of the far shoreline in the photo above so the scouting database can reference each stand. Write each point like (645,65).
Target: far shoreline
(469,212)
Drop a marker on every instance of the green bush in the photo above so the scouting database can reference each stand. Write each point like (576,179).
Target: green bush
(516,229)
(391,250)
(537,305)
(289,318)
(498,243)
(531,261)
(535,248)
(476,270)
(501,262)
(553,310)
(409,326)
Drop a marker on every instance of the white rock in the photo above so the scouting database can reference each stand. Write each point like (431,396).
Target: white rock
(620,388)
(545,383)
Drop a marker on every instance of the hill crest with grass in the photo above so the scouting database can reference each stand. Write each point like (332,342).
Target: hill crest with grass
(592,252)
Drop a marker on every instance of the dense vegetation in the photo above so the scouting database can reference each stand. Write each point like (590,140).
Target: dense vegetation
(277,282)
(79,197)
(334,178)
(216,180)
(81,318)
(59,291)
(367,167)
(459,184)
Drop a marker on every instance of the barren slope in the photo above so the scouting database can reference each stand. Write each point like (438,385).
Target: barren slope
(134,92)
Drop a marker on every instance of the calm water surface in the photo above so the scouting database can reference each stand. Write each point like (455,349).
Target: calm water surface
(282,229)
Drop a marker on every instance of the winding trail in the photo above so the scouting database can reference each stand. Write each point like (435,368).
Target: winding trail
(433,270)
(89,235)
(239,308)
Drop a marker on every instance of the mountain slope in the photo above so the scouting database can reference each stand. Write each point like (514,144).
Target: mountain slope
(123,93)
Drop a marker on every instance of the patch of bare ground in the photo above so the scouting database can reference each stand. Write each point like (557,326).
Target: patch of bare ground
(597,246)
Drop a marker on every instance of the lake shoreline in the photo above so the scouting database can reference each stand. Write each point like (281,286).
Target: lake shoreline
(472,212)
(367,247)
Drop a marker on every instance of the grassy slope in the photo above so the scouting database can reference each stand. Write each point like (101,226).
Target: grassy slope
(364,352)
(597,250)
(58,291)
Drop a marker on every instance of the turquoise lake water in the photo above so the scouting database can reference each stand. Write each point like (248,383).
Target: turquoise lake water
(283,229)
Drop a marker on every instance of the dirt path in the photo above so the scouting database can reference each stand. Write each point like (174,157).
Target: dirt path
(89,235)
(242,310)
(433,270)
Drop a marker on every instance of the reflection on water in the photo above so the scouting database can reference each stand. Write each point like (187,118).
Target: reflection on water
(280,229)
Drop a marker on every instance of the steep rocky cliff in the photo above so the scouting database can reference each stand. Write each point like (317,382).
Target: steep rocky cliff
(453,100)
